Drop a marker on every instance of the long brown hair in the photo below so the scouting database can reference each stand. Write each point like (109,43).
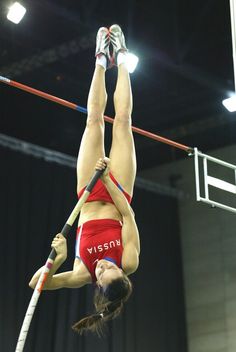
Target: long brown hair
(108,304)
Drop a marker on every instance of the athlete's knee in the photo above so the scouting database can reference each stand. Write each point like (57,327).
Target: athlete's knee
(122,124)
(94,119)
(123,118)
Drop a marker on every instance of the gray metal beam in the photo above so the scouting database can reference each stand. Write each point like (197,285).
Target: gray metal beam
(49,56)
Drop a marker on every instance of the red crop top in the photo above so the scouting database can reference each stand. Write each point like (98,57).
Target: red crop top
(100,193)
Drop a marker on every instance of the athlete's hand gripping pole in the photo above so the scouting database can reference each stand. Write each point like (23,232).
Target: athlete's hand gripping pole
(43,276)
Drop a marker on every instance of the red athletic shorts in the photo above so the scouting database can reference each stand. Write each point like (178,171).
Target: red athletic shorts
(99,239)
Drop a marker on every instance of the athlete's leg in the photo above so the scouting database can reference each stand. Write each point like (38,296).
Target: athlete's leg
(92,143)
(122,154)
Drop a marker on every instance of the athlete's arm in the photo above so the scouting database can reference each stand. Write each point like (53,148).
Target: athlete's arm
(70,279)
(131,244)
(117,196)
(130,234)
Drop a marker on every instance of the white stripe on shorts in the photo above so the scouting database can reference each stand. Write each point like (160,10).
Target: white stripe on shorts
(77,245)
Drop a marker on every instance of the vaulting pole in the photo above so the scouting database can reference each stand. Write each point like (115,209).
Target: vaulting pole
(46,269)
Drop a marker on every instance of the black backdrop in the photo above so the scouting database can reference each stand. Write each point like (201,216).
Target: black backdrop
(36,200)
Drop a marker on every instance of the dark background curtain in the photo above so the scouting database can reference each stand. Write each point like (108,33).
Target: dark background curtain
(36,200)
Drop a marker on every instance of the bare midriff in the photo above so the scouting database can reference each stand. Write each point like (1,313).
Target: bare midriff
(98,210)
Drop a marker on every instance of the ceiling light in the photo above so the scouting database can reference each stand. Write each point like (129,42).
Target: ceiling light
(16,13)
(230,103)
(131,62)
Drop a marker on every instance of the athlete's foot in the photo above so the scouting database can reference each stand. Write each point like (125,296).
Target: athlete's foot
(118,42)
(102,45)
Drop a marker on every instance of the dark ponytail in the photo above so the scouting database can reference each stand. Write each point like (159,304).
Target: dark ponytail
(108,304)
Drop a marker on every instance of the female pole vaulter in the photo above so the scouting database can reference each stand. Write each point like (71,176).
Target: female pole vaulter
(107,244)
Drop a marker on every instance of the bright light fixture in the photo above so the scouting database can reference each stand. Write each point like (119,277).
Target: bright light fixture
(230,103)
(16,13)
(131,62)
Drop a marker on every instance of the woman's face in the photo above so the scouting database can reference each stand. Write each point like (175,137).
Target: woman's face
(106,272)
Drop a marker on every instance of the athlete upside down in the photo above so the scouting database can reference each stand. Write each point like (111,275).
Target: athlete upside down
(107,243)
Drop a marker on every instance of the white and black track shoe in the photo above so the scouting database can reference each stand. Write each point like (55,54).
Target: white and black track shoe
(103,43)
(118,41)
